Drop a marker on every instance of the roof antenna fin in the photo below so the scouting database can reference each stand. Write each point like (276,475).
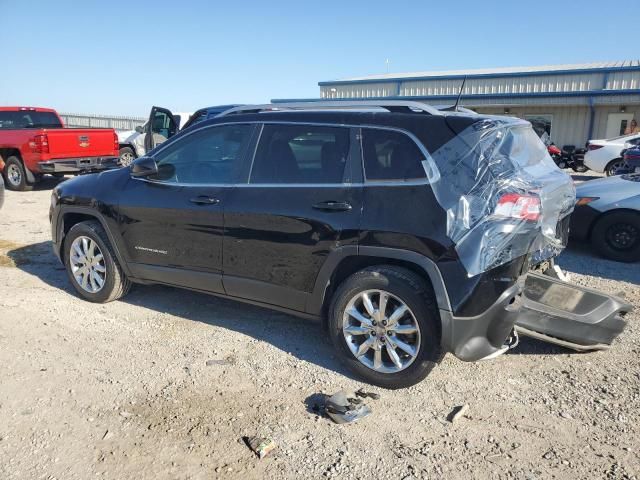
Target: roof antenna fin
(455,107)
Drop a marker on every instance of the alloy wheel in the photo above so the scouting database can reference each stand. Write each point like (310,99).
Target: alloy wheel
(381,331)
(87,264)
(126,159)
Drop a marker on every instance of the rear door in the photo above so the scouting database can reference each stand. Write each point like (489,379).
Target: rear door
(301,203)
(162,125)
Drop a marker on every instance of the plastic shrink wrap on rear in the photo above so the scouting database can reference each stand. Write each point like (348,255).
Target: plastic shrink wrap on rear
(503,194)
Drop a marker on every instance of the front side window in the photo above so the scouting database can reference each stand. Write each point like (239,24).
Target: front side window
(210,156)
(301,154)
(390,155)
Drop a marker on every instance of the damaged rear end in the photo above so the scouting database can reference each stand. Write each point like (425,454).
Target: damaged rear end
(508,203)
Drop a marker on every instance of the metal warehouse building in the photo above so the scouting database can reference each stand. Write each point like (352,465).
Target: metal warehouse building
(571,103)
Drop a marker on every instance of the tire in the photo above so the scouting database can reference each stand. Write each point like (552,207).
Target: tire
(403,286)
(579,168)
(616,236)
(562,164)
(127,155)
(115,284)
(613,166)
(14,174)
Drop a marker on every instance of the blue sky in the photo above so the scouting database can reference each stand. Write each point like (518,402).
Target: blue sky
(121,57)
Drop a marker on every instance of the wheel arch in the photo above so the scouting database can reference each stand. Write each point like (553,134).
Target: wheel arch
(68,217)
(610,163)
(347,260)
(6,153)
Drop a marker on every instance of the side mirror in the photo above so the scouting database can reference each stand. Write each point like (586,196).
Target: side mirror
(139,129)
(144,167)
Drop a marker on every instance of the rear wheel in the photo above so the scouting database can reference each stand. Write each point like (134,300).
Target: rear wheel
(91,264)
(385,326)
(617,236)
(15,175)
(613,166)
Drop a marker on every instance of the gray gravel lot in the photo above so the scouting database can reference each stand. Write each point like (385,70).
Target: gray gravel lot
(124,390)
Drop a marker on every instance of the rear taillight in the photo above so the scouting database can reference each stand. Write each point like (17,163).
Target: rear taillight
(40,143)
(116,142)
(521,207)
(595,147)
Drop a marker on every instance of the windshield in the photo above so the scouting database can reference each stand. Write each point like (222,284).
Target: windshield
(29,119)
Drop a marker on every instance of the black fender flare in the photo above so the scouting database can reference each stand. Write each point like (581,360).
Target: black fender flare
(59,240)
(317,298)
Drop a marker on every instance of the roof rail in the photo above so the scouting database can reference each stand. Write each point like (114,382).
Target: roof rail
(396,106)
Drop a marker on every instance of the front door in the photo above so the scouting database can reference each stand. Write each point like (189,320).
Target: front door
(162,125)
(299,205)
(617,123)
(172,223)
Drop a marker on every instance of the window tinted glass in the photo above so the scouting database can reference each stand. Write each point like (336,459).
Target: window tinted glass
(212,155)
(29,119)
(301,154)
(391,155)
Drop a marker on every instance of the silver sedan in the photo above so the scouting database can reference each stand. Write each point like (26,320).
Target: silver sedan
(607,214)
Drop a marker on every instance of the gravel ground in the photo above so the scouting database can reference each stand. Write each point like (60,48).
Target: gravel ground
(166,382)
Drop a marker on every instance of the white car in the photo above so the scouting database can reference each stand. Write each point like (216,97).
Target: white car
(604,155)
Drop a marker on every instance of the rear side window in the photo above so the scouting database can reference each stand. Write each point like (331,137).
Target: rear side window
(28,119)
(301,154)
(390,155)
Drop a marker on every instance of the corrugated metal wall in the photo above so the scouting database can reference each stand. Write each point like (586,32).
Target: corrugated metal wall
(572,82)
(101,121)
(571,113)
(569,125)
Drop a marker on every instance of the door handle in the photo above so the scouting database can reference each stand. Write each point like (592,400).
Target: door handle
(204,200)
(330,205)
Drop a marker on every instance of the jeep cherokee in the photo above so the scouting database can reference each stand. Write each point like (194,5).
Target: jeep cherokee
(408,230)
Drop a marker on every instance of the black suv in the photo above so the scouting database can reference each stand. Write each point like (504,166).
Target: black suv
(408,230)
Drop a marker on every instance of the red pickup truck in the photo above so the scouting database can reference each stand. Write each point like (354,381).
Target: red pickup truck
(33,142)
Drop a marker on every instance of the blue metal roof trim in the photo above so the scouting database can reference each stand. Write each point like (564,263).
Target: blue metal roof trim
(580,93)
(532,73)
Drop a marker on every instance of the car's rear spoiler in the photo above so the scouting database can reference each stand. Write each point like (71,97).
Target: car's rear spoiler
(570,315)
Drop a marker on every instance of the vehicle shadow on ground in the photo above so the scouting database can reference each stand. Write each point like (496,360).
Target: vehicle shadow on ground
(580,258)
(305,339)
(48,183)
(532,346)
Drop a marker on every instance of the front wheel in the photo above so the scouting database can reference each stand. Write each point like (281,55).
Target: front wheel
(127,156)
(579,168)
(385,326)
(91,264)
(617,236)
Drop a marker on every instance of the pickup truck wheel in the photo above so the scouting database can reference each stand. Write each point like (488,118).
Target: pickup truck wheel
(92,265)
(126,156)
(617,236)
(15,175)
(385,325)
